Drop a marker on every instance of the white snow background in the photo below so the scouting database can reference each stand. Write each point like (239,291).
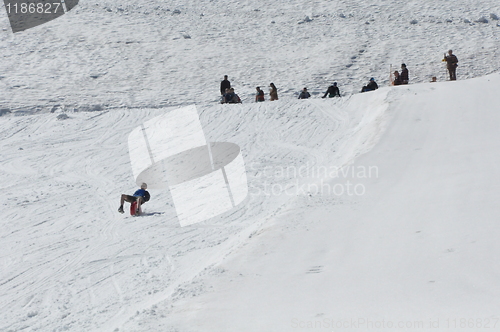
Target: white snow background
(415,248)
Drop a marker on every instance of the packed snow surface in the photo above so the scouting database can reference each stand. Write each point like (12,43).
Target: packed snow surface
(370,211)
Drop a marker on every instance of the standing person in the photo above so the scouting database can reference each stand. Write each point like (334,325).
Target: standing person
(372,85)
(304,94)
(225,84)
(451,64)
(332,91)
(140,196)
(273,92)
(259,96)
(404,76)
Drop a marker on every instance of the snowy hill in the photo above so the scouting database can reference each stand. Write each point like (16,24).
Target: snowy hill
(422,224)
(378,206)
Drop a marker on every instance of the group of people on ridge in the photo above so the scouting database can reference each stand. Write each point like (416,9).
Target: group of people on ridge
(228,96)
(399,78)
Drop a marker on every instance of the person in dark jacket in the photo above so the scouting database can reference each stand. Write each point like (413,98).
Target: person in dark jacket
(451,64)
(332,91)
(404,76)
(372,85)
(259,96)
(304,94)
(140,196)
(225,84)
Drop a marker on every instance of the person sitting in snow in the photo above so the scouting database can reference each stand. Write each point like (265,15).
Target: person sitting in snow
(372,85)
(227,98)
(332,91)
(397,79)
(140,196)
(223,97)
(235,99)
(259,96)
(304,94)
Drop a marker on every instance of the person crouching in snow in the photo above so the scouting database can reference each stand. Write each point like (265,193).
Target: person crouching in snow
(140,196)
(304,94)
(332,91)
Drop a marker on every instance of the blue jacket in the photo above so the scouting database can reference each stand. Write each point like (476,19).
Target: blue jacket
(140,193)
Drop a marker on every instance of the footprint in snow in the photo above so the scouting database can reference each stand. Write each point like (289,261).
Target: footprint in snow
(315,269)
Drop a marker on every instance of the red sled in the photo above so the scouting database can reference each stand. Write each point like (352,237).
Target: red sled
(134,210)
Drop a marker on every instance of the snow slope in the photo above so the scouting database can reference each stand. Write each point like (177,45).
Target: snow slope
(131,54)
(74,256)
(417,244)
